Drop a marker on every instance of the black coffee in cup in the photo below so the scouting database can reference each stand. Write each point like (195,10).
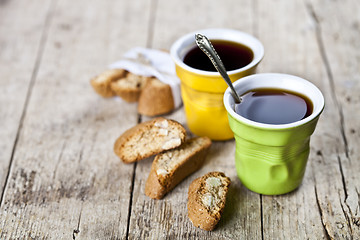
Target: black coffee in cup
(274,106)
(233,55)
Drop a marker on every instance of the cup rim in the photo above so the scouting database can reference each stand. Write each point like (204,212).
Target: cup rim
(292,82)
(184,44)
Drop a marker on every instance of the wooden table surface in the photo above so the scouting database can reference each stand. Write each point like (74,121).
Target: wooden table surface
(59,177)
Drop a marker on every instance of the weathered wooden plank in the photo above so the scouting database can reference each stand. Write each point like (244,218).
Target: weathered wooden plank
(65,181)
(339,37)
(167,218)
(20,37)
(315,210)
(292,48)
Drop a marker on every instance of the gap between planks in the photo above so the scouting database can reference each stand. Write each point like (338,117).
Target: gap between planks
(139,120)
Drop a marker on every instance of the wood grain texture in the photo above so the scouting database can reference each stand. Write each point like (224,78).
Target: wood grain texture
(65,181)
(302,52)
(21,40)
(338,37)
(292,48)
(59,175)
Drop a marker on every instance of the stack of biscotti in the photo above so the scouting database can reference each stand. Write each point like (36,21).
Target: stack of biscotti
(154,97)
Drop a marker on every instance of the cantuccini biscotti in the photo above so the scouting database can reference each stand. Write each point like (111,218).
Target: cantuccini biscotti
(207,197)
(102,82)
(156,98)
(129,87)
(171,167)
(149,138)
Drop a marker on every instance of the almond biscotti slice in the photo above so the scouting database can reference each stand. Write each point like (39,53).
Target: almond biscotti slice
(149,138)
(102,82)
(130,86)
(207,196)
(171,167)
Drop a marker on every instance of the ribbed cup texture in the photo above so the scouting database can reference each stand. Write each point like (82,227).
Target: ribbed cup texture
(271,161)
(271,169)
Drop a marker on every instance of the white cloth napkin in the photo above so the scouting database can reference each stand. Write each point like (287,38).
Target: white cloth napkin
(152,62)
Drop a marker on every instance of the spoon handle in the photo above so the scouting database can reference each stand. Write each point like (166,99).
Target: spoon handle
(205,45)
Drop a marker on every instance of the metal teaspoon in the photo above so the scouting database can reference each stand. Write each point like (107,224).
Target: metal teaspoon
(205,45)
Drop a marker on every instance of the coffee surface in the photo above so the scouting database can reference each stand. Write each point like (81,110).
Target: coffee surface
(232,54)
(274,106)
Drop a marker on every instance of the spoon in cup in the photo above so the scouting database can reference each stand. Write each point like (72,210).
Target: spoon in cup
(205,45)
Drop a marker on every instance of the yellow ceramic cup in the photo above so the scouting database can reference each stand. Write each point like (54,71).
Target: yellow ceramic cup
(202,91)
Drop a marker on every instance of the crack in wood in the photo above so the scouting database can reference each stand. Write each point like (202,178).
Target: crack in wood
(355,221)
(93,142)
(10,164)
(343,134)
(59,159)
(151,25)
(82,147)
(327,234)
(131,200)
(39,55)
(77,230)
(342,179)
(139,120)
(358,194)
(81,155)
(255,26)
(348,223)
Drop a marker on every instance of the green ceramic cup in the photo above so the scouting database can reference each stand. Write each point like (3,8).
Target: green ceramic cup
(271,158)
